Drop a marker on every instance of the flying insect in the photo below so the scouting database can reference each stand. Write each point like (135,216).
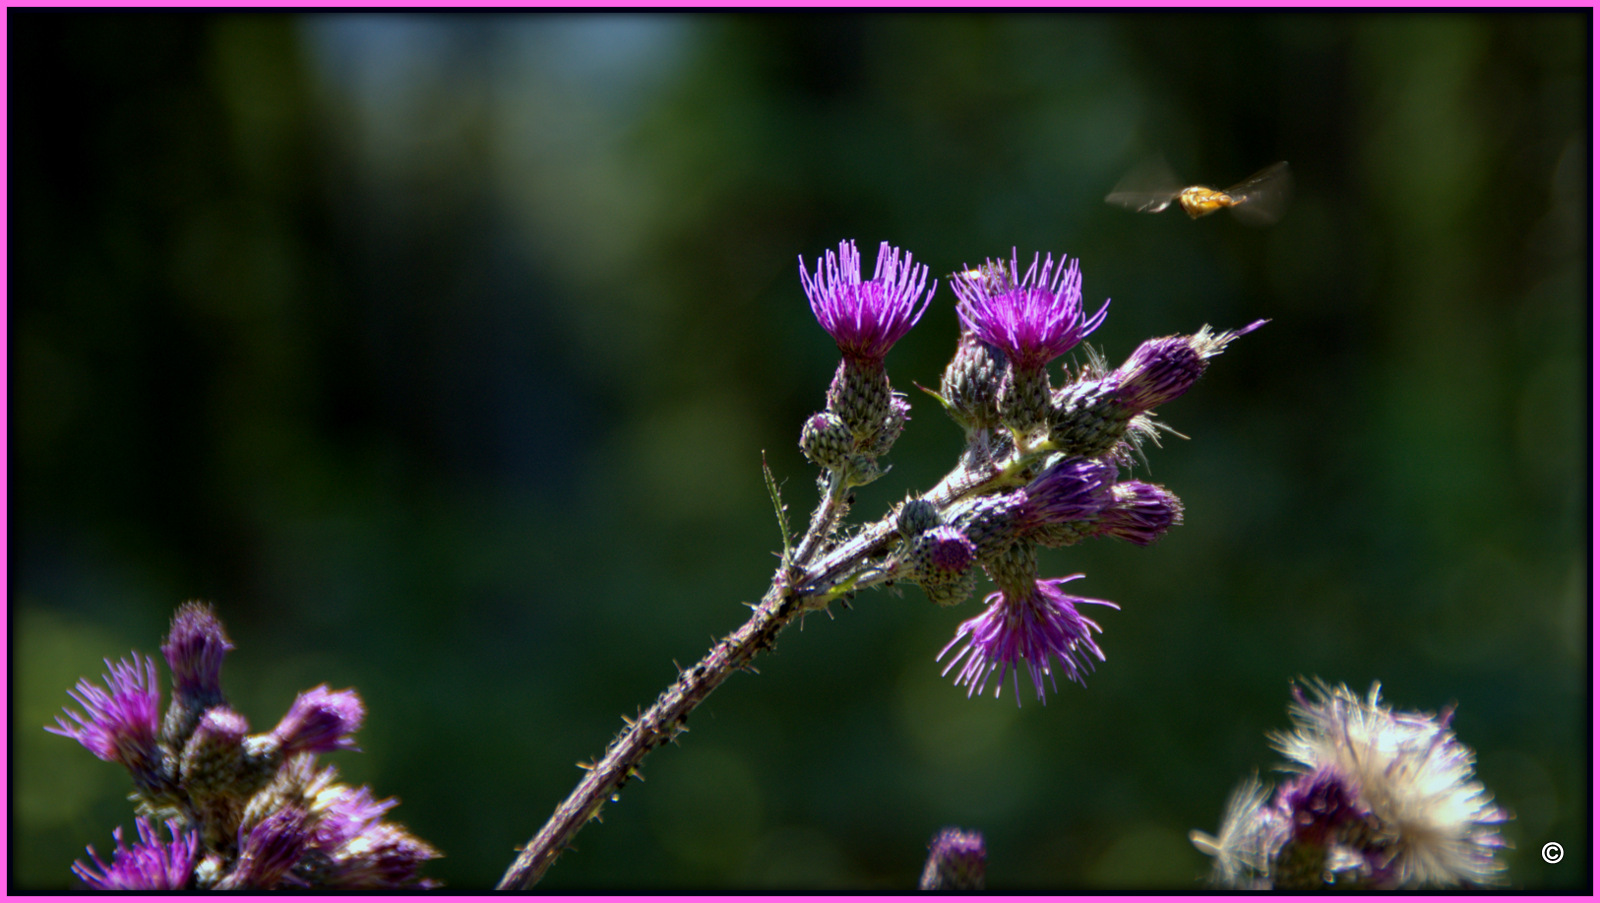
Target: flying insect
(1258,200)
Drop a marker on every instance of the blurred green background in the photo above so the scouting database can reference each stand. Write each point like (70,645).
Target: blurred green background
(441,353)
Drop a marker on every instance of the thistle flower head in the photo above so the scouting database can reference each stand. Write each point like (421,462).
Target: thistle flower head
(118,724)
(940,561)
(1032,319)
(1026,630)
(194,651)
(382,856)
(269,849)
(1250,836)
(321,720)
(866,318)
(1437,825)
(956,861)
(1070,491)
(211,758)
(1140,513)
(1160,370)
(150,864)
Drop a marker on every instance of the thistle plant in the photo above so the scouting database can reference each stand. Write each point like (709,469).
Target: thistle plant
(242,811)
(1379,800)
(1040,465)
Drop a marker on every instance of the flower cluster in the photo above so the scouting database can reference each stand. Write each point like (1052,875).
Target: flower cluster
(1380,800)
(243,811)
(1041,462)
(864,416)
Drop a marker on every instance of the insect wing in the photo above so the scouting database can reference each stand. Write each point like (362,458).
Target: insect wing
(1262,199)
(1150,187)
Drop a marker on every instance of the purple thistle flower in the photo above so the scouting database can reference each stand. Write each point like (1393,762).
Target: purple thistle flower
(956,861)
(1026,632)
(382,856)
(347,814)
(119,725)
(194,651)
(1161,370)
(268,850)
(866,318)
(321,720)
(1412,777)
(1034,319)
(1071,491)
(1141,513)
(1319,804)
(150,864)
(947,551)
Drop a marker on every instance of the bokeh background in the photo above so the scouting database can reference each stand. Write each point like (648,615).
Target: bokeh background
(441,352)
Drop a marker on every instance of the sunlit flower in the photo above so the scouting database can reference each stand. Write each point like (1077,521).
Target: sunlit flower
(150,864)
(321,720)
(1160,370)
(1379,800)
(1032,319)
(119,723)
(1026,630)
(866,318)
(1435,820)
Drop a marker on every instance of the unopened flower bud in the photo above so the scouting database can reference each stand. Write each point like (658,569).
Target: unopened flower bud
(1086,419)
(940,561)
(826,441)
(213,771)
(894,423)
(917,516)
(211,759)
(971,383)
(990,521)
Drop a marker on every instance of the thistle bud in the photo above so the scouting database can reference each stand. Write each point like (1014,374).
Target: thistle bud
(1086,419)
(894,423)
(971,383)
(826,441)
(917,516)
(990,521)
(940,561)
(212,769)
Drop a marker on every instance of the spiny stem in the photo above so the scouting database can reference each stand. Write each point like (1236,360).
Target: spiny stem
(662,722)
(793,587)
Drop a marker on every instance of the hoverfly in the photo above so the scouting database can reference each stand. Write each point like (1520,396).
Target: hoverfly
(993,276)
(1258,200)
